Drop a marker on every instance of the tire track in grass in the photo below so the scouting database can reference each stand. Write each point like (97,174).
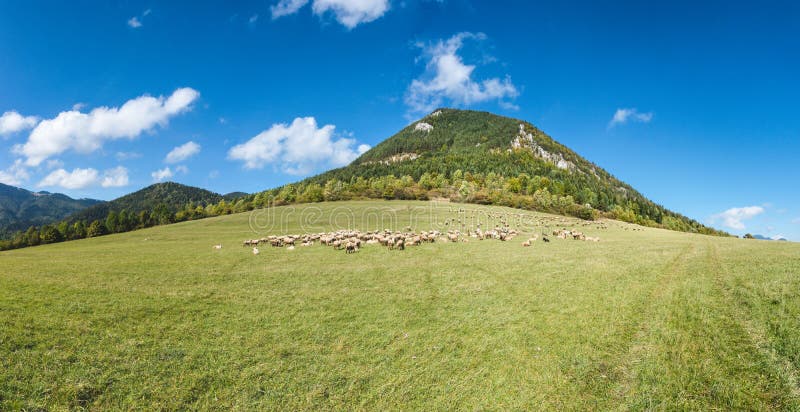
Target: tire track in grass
(638,345)
(780,365)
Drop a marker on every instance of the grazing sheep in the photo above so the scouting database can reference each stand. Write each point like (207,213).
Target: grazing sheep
(352,240)
(545,239)
(217,247)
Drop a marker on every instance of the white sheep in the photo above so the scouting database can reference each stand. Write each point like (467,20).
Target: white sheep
(255,251)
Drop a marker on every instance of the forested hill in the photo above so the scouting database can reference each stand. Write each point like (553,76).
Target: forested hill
(169,197)
(484,158)
(158,204)
(20,208)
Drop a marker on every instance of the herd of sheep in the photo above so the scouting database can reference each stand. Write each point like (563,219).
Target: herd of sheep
(351,241)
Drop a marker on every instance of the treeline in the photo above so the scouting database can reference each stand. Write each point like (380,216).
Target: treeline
(114,222)
(537,193)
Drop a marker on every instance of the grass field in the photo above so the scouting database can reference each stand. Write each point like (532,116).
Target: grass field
(155,319)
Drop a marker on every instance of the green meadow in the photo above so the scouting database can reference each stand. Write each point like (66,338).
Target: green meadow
(157,319)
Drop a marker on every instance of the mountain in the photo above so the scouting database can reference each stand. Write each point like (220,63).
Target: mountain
(481,157)
(174,195)
(20,208)
(762,237)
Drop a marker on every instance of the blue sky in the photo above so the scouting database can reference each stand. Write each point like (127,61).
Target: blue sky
(102,98)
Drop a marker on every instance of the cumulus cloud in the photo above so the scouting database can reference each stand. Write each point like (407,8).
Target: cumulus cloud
(82,178)
(86,132)
(14,175)
(12,122)
(116,177)
(76,179)
(135,22)
(127,155)
(622,116)
(447,77)
(298,148)
(287,7)
(162,174)
(349,13)
(733,218)
(182,152)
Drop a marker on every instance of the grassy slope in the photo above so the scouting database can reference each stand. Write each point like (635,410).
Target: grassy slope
(155,319)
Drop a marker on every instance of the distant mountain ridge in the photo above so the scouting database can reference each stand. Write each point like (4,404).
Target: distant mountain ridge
(172,195)
(762,237)
(21,208)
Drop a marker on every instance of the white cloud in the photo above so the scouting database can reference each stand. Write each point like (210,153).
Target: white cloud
(299,148)
(77,179)
(213,174)
(287,7)
(12,122)
(253,19)
(181,169)
(349,13)
(796,220)
(778,237)
(127,155)
(78,106)
(116,177)
(734,217)
(86,132)
(622,116)
(162,174)
(82,178)
(447,77)
(182,152)
(15,175)
(135,22)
